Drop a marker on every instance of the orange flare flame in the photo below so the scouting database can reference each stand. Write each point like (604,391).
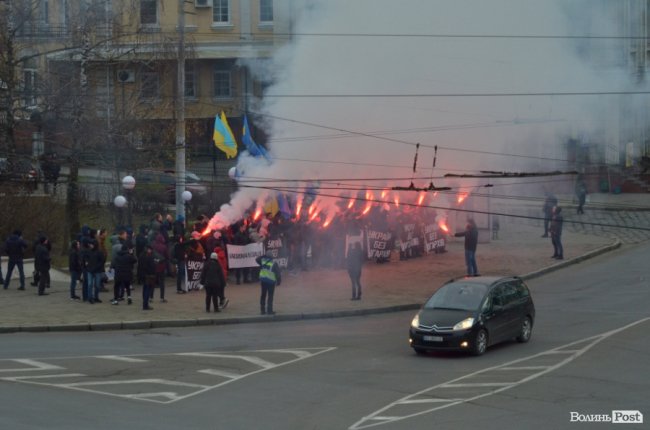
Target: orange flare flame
(351,203)
(462,197)
(421,199)
(443,227)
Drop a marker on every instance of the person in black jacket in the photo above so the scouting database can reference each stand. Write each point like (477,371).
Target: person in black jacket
(471,240)
(93,261)
(74,266)
(42,261)
(123,264)
(214,283)
(147,263)
(556,233)
(355,262)
(15,248)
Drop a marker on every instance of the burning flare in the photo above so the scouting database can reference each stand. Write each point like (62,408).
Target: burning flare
(462,196)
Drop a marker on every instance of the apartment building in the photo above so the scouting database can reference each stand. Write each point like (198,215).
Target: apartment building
(111,65)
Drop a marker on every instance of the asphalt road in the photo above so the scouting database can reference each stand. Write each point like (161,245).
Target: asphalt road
(588,355)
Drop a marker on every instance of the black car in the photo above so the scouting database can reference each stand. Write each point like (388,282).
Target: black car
(472,313)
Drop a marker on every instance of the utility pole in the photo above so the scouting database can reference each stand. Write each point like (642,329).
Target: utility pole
(180,113)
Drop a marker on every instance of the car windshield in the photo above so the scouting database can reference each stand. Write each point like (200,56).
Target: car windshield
(191,177)
(457,296)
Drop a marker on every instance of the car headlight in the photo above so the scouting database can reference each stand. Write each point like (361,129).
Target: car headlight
(415,322)
(464,324)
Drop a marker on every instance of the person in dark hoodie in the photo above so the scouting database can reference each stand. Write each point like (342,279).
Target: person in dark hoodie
(94,268)
(354,264)
(123,265)
(556,233)
(42,261)
(74,266)
(15,247)
(161,253)
(214,283)
(147,263)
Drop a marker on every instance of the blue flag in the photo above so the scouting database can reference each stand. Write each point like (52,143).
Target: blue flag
(253,148)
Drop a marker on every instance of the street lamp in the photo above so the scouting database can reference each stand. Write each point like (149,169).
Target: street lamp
(128,183)
(186,196)
(120,202)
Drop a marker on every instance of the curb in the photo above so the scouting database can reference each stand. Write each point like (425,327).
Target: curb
(591,254)
(196,322)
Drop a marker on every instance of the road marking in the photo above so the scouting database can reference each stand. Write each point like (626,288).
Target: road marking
(36,365)
(380,417)
(122,358)
(251,359)
(27,379)
(222,373)
(184,390)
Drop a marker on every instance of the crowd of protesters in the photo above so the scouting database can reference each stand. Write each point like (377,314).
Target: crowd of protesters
(161,249)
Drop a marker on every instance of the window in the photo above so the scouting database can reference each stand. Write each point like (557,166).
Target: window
(29,86)
(150,86)
(190,80)
(148,12)
(45,12)
(266,11)
(221,82)
(221,11)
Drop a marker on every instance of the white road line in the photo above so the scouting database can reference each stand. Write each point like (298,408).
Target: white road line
(478,384)
(122,358)
(133,381)
(430,400)
(28,379)
(370,420)
(524,368)
(251,359)
(35,365)
(222,373)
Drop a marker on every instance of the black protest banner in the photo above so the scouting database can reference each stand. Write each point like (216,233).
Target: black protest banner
(379,243)
(193,273)
(434,239)
(278,252)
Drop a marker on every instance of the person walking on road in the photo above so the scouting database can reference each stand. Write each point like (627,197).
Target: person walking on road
(549,204)
(471,241)
(42,261)
(270,277)
(214,282)
(354,264)
(15,247)
(556,233)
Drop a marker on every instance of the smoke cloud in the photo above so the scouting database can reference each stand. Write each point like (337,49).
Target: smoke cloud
(362,82)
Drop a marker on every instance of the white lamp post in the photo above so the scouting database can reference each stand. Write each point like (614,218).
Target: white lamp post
(186,196)
(128,183)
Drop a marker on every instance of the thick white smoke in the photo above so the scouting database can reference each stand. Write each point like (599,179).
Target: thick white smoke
(339,108)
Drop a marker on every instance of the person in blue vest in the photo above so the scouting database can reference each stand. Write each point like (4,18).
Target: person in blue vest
(269,277)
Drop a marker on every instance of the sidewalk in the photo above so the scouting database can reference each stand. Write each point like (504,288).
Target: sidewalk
(323,293)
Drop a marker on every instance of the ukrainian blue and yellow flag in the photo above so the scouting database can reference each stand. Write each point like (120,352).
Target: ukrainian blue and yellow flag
(223,137)
(253,148)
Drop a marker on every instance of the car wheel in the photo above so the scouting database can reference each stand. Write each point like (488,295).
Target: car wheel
(420,351)
(480,343)
(526,330)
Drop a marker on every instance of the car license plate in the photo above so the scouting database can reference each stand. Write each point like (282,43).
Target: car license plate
(433,338)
